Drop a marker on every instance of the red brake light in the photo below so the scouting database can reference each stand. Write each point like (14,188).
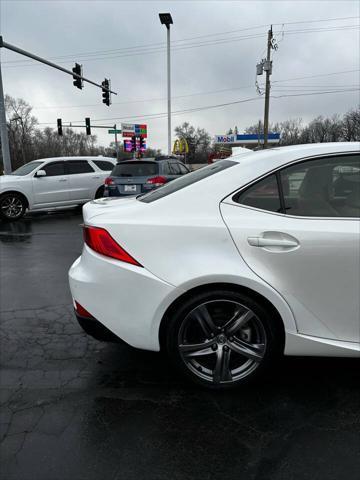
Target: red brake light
(99,240)
(109,181)
(159,180)
(81,311)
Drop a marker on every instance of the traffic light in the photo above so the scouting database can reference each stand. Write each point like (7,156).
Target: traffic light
(133,144)
(142,144)
(88,126)
(59,126)
(105,92)
(77,81)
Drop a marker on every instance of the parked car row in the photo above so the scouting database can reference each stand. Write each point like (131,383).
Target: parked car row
(65,181)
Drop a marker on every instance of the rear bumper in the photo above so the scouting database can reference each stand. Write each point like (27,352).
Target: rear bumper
(93,327)
(128,300)
(114,191)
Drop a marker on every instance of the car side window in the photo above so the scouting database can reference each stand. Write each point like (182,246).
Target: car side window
(174,168)
(183,169)
(166,168)
(74,167)
(263,194)
(103,165)
(326,187)
(53,169)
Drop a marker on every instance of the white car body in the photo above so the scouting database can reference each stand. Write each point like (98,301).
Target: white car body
(59,190)
(199,236)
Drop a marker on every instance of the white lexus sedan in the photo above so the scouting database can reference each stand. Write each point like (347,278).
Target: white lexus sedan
(232,265)
(53,183)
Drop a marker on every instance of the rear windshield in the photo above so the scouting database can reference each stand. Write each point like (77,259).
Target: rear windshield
(186,180)
(135,169)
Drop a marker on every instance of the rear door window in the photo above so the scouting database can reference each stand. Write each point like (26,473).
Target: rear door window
(74,167)
(264,195)
(135,169)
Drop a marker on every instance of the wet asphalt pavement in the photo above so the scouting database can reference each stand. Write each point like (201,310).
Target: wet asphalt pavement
(73,408)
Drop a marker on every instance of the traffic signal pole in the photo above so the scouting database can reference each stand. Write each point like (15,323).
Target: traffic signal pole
(3,126)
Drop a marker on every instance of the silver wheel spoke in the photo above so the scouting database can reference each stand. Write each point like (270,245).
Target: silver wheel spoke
(197,349)
(253,351)
(222,371)
(238,321)
(228,341)
(11,206)
(203,317)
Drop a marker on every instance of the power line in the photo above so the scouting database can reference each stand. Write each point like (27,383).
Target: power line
(209,92)
(151,50)
(153,116)
(162,44)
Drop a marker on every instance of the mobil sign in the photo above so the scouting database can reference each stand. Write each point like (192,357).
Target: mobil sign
(225,138)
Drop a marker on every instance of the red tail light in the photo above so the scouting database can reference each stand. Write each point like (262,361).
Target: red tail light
(159,180)
(109,181)
(81,311)
(99,240)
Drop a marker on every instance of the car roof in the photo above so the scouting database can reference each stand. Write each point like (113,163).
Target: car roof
(251,166)
(158,159)
(286,154)
(75,157)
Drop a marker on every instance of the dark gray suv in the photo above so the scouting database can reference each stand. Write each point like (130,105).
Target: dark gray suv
(132,177)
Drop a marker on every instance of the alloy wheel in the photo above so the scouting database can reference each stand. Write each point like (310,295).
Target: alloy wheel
(221,341)
(11,206)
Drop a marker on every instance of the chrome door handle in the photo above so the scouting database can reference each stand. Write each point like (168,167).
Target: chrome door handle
(95,177)
(271,242)
(63,180)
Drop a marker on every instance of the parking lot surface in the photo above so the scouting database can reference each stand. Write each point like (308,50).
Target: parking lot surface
(74,408)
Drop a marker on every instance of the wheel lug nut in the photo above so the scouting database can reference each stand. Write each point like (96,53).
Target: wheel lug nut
(212,335)
(214,347)
(226,348)
(231,339)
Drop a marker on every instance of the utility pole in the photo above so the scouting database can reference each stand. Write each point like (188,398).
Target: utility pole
(3,131)
(267,68)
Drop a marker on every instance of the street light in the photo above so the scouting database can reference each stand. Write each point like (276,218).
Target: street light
(166,19)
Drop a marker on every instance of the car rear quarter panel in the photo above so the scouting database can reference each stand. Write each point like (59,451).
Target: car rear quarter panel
(185,247)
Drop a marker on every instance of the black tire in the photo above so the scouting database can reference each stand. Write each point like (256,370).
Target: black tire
(100,192)
(12,206)
(228,368)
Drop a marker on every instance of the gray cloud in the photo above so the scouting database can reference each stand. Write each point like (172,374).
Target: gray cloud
(57,28)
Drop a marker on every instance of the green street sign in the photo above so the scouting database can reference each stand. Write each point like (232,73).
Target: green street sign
(114,131)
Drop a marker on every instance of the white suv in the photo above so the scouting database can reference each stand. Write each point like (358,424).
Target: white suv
(51,183)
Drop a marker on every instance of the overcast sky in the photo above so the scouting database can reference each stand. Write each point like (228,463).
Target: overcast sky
(216,45)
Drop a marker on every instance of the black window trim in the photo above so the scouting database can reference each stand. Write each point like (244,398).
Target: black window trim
(73,160)
(92,162)
(277,171)
(43,167)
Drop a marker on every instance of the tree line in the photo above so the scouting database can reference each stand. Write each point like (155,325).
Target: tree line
(29,142)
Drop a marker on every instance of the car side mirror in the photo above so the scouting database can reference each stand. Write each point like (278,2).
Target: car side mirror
(40,173)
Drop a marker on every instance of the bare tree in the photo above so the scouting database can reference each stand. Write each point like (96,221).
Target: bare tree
(199,142)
